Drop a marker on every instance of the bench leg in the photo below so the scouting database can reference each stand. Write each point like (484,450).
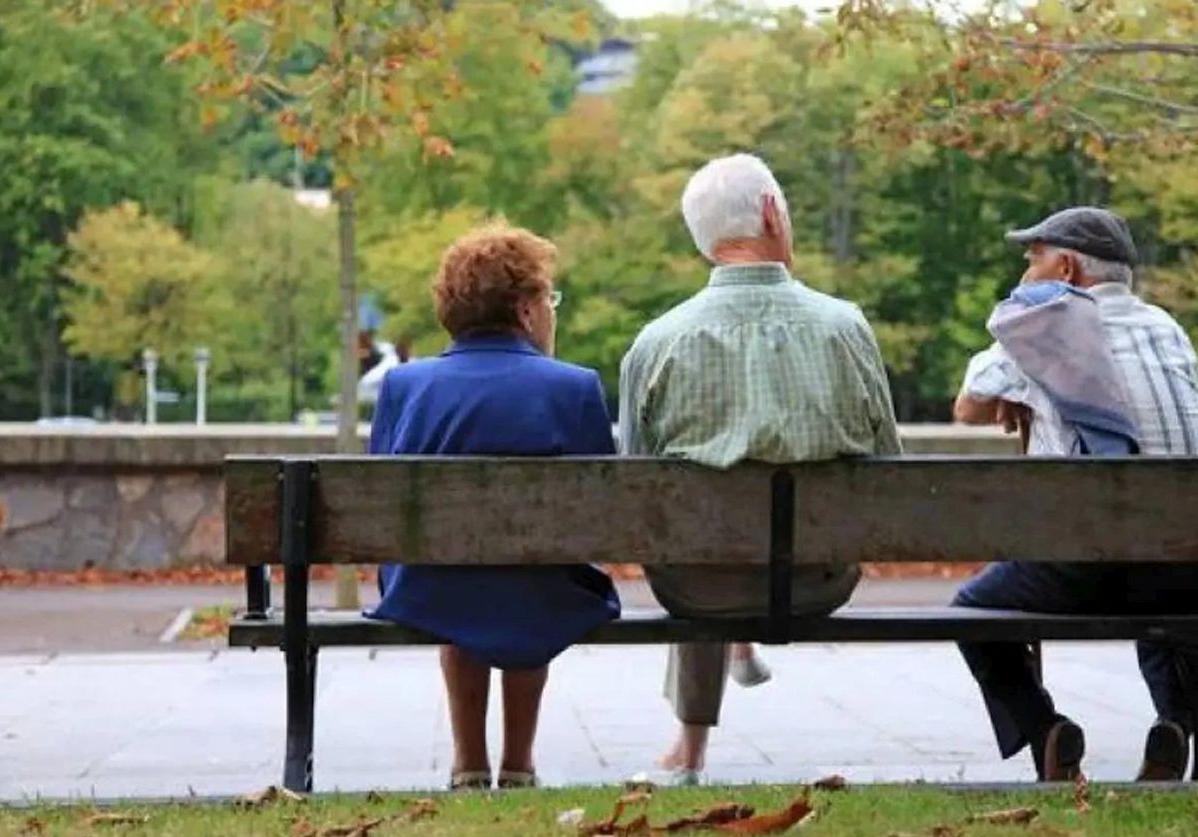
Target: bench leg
(301,719)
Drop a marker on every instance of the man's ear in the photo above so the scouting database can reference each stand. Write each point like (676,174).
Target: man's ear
(771,221)
(1069,271)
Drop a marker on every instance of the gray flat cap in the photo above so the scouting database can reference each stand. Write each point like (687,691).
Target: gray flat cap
(1087,229)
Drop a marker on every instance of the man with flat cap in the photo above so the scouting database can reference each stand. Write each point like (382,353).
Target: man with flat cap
(1084,367)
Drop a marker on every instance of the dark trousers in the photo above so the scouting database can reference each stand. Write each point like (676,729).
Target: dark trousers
(1021,709)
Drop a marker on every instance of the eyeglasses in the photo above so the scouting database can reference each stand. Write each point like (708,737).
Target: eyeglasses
(555,299)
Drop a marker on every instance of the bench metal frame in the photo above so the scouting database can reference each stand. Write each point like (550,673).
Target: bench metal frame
(300,633)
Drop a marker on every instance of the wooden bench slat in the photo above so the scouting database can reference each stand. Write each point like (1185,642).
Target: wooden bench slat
(922,624)
(459,510)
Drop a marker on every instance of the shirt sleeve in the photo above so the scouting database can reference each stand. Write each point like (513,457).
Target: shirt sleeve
(881,406)
(632,438)
(383,422)
(596,422)
(992,373)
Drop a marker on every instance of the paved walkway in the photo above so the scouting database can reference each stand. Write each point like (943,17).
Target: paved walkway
(205,722)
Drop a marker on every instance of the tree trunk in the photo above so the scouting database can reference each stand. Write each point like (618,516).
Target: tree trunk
(45,369)
(347,404)
(347,594)
(842,213)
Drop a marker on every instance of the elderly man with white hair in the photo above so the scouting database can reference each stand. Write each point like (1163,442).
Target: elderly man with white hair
(755,366)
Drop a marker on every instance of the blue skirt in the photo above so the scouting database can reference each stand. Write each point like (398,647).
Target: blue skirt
(506,617)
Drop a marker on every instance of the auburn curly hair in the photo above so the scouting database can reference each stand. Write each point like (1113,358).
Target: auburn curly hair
(487,273)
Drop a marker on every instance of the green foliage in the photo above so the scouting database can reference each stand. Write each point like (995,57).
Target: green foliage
(137,284)
(90,118)
(905,155)
(278,261)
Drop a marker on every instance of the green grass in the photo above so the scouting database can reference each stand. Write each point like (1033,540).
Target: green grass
(889,810)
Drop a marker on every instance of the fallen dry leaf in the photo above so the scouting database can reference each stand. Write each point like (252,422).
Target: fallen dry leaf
(1081,794)
(117,819)
(267,795)
(361,828)
(715,815)
(772,823)
(1011,816)
(835,782)
(419,809)
(611,825)
(946,831)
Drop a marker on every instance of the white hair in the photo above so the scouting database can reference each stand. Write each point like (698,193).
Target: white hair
(723,201)
(1100,270)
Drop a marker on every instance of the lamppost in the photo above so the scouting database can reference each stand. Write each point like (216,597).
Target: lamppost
(149,358)
(203,358)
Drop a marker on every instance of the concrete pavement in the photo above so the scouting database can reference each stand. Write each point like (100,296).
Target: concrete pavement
(177,723)
(210,720)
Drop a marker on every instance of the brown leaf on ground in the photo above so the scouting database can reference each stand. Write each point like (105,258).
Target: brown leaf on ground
(835,782)
(946,831)
(267,795)
(611,825)
(420,809)
(772,823)
(716,815)
(117,819)
(1081,794)
(32,825)
(1011,816)
(361,828)
(204,574)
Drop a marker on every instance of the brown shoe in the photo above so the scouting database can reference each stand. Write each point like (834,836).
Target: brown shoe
(1064,747)
(1166,753)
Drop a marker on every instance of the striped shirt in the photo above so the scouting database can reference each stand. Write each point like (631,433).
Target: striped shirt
(756,366)
(1156,364)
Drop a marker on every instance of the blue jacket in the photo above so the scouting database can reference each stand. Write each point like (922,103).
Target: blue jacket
(495,395)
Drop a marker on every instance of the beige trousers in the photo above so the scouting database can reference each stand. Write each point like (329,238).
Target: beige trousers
(696,672)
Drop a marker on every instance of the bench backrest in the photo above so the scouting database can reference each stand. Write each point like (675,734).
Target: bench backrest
(457,510)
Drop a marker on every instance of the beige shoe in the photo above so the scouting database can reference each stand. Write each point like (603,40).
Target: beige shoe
(514,779)
(468,780)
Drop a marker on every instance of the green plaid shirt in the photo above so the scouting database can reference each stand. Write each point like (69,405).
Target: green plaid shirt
(756,366)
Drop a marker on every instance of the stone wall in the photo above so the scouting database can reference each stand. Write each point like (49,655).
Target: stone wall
(64,518)
(134,497)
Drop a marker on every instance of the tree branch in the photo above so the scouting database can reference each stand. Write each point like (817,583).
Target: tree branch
(1112,48)
(1164,104)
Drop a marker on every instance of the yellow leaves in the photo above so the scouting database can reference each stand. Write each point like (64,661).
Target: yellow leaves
(1095,146)
(437,147)
(137,283)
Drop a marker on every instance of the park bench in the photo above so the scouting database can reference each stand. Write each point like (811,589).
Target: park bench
(298,512)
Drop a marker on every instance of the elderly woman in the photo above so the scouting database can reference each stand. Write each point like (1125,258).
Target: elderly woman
(495,391)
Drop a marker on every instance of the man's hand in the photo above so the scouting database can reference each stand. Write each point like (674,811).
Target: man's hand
(1013,417)
(970,410)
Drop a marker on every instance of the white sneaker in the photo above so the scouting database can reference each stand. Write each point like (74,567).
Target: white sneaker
(750,671)
(675,777)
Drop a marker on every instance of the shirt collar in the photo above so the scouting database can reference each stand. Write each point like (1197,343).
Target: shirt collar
(491,342)
(1109,290)
(757,273)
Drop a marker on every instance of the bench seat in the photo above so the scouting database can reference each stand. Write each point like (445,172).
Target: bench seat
(851,624)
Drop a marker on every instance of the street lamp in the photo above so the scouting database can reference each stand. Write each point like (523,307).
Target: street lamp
(149,358)
(203,357)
